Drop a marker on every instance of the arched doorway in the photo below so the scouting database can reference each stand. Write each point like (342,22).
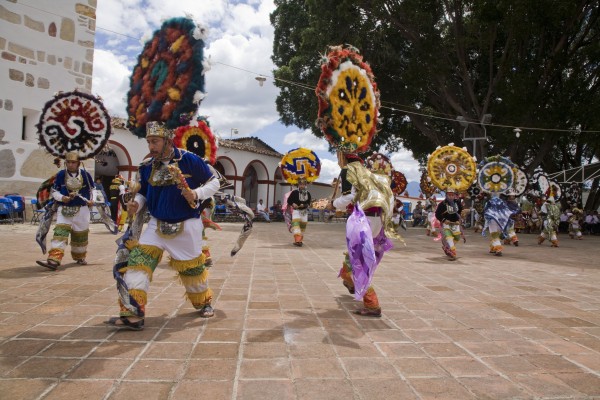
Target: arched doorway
(277,192)
(250,186)
(256,184)
(106,167)
(227,168)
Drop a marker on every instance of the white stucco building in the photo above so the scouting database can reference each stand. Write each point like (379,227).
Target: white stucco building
(46,46)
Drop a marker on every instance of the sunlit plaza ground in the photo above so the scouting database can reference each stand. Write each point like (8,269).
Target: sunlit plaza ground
(523,326)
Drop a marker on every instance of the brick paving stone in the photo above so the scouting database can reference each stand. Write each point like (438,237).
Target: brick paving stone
(493,388)
(205,389)
(282,389)
(523,326)
(131,390)
(76,390)
(21,389)
(436,388)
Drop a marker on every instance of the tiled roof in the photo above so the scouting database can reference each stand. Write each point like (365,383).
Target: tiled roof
(251,143)
(118,123)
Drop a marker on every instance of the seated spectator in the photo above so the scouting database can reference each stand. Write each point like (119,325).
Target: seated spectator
(260,210)
(563,225)
(221,208)
(588,223)
(277,211)
(595,223)
(418,214)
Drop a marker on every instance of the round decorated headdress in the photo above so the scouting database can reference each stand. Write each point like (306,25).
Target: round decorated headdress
(572,192)
(379,164)
(168,79)
(348,100)
(539,183)
(554,190)
(74,122)
(496,174)
(197,139)
(451,167)
(399,182)
(425,184)
(300,163)
(474,191)
(520,182)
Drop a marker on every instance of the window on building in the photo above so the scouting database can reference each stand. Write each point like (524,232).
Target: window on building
(28,128)
(24,128)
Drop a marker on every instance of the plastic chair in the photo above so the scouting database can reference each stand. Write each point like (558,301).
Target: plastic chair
(95,216)
(18,206)
(36,213)
(6,210)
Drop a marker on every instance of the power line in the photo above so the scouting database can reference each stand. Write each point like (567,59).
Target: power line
(392,108)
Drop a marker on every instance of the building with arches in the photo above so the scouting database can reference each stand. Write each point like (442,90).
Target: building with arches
(251,165)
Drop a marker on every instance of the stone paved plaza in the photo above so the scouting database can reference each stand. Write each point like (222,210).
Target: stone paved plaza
(524,326)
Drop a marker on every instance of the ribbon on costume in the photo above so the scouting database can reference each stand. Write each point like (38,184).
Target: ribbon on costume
(497,210)
(364,250)
(124,245)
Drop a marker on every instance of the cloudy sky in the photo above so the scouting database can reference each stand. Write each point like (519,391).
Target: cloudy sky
(239,46)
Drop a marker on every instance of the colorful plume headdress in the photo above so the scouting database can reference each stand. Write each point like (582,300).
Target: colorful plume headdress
(197,139)
(425,184)
(348,100)
(168,79)
(379,164)
(74,121)
(496,174)
(521,182)
(399,182)
(451,167)
(300,163)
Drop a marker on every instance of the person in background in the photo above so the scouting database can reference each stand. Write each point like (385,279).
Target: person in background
(299,199)
(575,218)
(100,189)
(563,226)
(418,214)
(114,191)
(550,214)
(430,207)
(592,223)
(72,190)
(448,213)
(277,211)
(260,209)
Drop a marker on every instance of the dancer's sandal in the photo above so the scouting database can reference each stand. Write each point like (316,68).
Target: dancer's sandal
(207,311)
(369,312)
(50,264)
(125,324)
(349,287)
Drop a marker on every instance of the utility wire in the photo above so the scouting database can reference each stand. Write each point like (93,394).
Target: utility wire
(392,108)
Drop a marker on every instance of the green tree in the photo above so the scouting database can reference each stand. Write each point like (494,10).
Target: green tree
(529,63)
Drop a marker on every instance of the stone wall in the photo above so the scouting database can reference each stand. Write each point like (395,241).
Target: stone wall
(43,50)
(63,29)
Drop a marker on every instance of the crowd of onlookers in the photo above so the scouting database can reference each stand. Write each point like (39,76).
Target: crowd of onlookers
(590,222)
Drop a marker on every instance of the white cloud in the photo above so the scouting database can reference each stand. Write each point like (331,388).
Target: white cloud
(329,171)
(111,81)
(404,162)
(239,44)
(305,139)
